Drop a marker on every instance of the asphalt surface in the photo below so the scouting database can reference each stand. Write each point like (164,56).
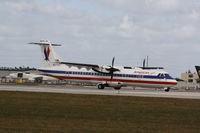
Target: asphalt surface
(109,91)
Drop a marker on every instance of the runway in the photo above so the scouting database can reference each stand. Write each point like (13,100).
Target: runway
(95,91)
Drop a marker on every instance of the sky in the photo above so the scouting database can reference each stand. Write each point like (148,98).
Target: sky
(94,31)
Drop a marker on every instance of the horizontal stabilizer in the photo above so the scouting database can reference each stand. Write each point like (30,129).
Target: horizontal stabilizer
(41,43)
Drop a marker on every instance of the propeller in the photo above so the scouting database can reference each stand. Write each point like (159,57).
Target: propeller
(112,69)
(109,70)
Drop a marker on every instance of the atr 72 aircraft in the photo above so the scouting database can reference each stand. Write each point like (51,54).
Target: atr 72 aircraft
(103,76)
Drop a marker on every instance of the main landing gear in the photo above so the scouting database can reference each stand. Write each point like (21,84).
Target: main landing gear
(117,88)
(102,86)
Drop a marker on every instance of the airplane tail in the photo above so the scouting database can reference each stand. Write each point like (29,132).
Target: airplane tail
(198,70)
(49,56)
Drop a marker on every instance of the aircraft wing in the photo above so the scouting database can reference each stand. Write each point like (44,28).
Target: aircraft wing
(95,68)
(80,65)
(152,67)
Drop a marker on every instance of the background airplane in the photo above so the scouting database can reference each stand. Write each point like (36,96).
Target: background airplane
(103,76)
(198,72)
(31,77)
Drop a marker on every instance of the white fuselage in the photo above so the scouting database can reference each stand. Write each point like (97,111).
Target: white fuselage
(125,77)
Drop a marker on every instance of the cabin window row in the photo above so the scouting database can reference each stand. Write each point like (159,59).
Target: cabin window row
(103,74)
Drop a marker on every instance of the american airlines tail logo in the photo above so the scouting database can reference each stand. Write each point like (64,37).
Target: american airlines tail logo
(47,53)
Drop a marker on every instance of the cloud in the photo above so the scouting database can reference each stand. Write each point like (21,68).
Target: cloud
(164,6)
(20,5)
(129,29)
(142,6)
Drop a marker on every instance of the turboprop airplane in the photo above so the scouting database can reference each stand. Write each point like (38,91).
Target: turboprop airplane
(103,76)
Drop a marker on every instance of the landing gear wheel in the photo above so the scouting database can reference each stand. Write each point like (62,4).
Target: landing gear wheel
(167,89)
(117,88)
(101,86)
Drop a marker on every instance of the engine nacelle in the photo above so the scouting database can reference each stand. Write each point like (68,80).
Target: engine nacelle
(102,69)
(106,69)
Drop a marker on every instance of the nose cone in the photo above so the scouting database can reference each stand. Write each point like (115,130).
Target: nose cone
(174,82)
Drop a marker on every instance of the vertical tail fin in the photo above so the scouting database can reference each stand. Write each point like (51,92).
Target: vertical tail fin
(49,57)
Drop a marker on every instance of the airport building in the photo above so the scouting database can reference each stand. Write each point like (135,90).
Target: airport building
(5,71)
(190,77)
(190,81)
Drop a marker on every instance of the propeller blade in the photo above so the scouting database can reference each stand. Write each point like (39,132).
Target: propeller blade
(144,61)
(112,69)
(111,76)
(113,61)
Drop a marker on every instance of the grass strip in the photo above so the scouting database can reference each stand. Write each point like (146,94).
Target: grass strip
(31,112)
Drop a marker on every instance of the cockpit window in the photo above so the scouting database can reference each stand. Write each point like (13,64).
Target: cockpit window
(167,75)
(163,75)
(160,75)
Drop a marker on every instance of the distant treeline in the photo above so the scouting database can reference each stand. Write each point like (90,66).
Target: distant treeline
(16,68)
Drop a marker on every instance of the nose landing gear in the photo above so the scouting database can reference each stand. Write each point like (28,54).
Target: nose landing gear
(167,89)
